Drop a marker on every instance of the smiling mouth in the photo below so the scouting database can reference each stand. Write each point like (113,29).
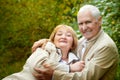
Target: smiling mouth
(87,33)
(63,41)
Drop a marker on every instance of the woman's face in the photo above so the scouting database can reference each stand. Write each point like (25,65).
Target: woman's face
(63,39)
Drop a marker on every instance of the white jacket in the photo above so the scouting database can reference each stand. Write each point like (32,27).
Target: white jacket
(40,56)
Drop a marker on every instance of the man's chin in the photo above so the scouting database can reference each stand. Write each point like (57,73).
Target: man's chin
(87,37)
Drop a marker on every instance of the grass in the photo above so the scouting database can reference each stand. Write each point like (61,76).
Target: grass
(7,69)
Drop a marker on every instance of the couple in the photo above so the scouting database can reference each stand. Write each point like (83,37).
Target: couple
(97,52)
(95,48)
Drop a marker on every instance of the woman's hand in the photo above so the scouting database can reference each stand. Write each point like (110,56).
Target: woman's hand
(77,67)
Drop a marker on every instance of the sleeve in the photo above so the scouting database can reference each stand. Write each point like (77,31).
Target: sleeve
(95,68)
(36,59)
(62,67)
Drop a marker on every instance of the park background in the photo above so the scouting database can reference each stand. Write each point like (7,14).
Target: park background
(22,22)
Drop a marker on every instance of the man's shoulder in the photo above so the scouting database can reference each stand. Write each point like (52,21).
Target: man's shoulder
(105,40)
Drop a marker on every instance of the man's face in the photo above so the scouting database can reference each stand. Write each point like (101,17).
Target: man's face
(88,25)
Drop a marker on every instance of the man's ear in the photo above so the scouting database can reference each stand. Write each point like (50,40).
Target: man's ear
(100,20)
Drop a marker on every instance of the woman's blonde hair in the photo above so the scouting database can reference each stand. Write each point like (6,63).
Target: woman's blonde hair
(75,39)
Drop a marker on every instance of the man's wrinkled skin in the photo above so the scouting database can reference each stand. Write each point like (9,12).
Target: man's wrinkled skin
(44,74)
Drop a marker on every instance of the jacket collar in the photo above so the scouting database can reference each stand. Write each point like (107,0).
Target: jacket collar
(95,37)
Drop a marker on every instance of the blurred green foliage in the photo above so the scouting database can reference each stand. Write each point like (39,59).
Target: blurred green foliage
(22,22)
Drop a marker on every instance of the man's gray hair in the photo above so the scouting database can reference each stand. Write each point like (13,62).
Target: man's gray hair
(93,9)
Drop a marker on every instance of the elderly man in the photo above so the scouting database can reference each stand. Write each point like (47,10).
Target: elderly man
(96,48)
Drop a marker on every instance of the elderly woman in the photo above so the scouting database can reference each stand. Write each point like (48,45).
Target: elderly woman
(57,52)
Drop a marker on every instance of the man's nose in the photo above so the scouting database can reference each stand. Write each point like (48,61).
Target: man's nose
(84,27)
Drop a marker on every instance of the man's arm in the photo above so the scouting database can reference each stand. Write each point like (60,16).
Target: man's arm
(94,68)
(64,68)
(44,74)
(38,43)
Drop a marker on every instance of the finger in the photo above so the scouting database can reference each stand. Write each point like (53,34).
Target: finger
(82,66)
(41,71)
(34,46)
(33,49)
(38,76)
(83,62)
(48,68)
(47,65)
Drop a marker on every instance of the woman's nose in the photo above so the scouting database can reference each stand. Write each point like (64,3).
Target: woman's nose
(63,36)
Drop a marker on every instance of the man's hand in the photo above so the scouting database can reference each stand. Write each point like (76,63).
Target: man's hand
(44,74)
(38,44)
(77,67)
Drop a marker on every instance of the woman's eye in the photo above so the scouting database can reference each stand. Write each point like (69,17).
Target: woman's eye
(59,34)
(69,35)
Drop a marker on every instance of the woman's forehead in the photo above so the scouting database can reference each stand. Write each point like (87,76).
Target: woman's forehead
(64,30)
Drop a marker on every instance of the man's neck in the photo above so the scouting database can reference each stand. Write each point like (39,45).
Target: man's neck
(96,36)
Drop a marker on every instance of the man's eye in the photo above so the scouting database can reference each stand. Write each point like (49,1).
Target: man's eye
(87,22)
(80,23)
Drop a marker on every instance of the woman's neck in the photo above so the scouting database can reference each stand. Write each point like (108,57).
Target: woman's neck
(65,55)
